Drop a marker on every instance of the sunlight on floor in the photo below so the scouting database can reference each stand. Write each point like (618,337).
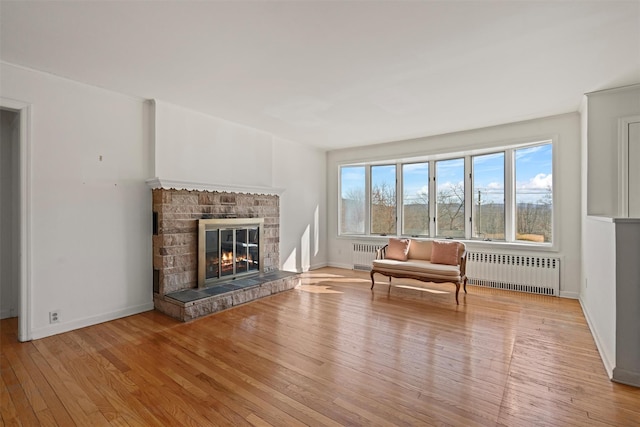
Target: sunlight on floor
(321,275)
(317,289)
(433,291)
(311,277)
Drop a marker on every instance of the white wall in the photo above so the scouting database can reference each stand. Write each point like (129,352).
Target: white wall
(197,148)
(302,171)
(612,291)
(9,213)
(598,296)
(584,154)
(604,110)
(90,207)
(609,292)
(567,190)
(192,146)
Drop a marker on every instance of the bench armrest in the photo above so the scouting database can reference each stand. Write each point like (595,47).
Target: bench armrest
(381,253)
(463,263)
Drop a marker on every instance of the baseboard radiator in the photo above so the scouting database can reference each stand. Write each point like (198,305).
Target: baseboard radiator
(532,274)
(363,255)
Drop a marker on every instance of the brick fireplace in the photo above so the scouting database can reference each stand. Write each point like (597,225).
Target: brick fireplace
(176,215)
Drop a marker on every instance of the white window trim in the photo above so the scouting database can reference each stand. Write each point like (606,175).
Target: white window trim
(510,220)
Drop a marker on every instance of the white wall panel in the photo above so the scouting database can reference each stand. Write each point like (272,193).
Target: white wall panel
(90,206)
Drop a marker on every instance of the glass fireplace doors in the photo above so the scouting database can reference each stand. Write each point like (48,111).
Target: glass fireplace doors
(228,248)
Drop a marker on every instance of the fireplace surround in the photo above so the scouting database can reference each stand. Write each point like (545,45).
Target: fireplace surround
(242,220)
(229,248)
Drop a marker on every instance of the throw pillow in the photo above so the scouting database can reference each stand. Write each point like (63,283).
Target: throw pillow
(419,249)
(443,252)
(397,249)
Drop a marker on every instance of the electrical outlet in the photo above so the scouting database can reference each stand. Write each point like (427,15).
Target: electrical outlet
(54,316)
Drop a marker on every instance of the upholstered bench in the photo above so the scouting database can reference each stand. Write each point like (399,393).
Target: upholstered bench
(441,261)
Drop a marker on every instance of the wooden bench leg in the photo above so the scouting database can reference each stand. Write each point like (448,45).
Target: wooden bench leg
(457,290)
(372,281)
(465,285)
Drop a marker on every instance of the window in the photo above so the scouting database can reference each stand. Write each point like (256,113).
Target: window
(504,194)
(352,202)
(450,198)
(415,199)
(383,199)
(487,202)
(534,201)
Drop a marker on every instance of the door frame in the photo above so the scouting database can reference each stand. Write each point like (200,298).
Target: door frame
(24,294)
(623,163)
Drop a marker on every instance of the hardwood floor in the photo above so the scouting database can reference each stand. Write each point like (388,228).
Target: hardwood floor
(331,352)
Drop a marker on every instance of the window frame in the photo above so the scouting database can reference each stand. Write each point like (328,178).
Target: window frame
(401,186)
(369,191)
(467,156)
(505,154)
(436,226)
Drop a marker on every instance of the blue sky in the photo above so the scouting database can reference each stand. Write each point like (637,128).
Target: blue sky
(352,179)
(533,168)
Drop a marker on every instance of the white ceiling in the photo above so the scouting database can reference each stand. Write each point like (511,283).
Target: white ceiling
(337,73)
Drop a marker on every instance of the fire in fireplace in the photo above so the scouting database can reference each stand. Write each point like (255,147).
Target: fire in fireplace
(228,248)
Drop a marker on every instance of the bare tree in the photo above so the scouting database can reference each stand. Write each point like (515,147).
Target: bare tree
(383,209)
(451,209)
(535,219)
(416,213)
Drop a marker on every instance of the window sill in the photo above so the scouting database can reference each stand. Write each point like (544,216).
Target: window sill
(471,244)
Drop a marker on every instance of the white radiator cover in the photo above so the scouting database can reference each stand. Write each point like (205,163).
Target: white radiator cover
(524,273)
(363,255)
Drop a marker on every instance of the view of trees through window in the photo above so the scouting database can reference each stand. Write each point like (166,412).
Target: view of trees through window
(383,199)
(534,201)
(524,203)
(488,197)
(450,198)
(415,199)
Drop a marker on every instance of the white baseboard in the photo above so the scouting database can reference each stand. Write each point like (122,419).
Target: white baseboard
(311,267)
(318,265)
(608,364)
(59,328)
(340,265)
(571,295)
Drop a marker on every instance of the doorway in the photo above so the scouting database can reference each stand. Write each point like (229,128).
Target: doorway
(9,213)
(15,214)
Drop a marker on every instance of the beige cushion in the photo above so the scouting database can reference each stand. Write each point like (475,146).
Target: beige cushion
(420,249)
(445,252)
(418,267)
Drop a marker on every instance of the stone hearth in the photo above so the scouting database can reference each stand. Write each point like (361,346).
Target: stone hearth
(175,251)
(193,303)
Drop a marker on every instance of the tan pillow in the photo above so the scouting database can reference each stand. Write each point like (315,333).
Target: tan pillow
(397,249)
(420,249)
(444,252)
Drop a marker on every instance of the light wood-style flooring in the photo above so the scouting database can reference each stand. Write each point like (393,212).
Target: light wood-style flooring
(330,352)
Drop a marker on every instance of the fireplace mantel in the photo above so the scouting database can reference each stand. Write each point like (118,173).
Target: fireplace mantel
(169,184)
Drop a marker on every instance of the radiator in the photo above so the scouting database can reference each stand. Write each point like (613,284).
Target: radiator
(363,255)
(533,274)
